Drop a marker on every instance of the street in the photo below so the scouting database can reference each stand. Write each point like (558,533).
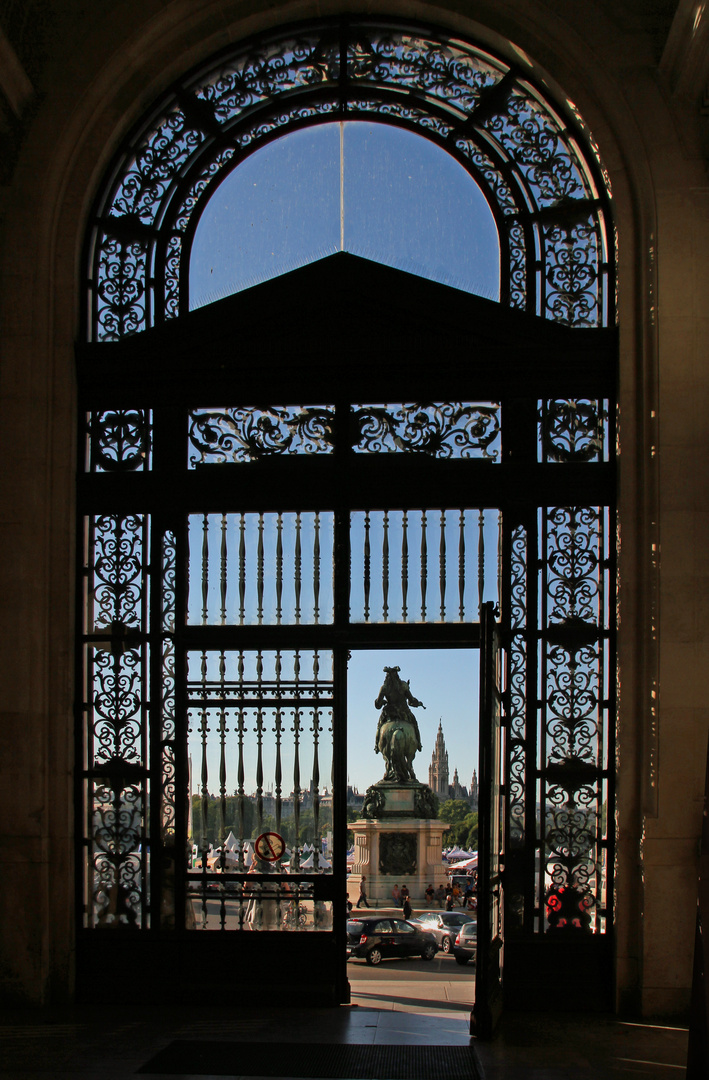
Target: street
(441,969)
(439,987)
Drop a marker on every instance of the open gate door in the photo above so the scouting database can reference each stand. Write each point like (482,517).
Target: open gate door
(489,971)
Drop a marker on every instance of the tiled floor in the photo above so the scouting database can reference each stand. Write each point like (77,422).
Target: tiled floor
(95,1043)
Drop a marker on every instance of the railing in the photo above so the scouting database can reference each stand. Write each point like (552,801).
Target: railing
(698,1049)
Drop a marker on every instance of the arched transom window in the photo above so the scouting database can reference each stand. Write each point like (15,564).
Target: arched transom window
(547,191)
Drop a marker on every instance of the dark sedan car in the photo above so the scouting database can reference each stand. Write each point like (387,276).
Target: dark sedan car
(375,939)
(444,925)
(465,946)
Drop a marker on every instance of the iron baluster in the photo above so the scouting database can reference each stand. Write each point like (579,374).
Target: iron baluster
(316,567)
(223,575)
(222,759)
(367,566)
(297,567)
(242,568)
(259,741)
(278,729)
(499,559)
(279,566)
(205,569)
(259,571)
(295,857)
(316,766)
(461,566)
(404,564)
(424,565)
(442,565)
(204,822)
(240,796)
(316,788)
(481,559)
(385,566)
(187,567)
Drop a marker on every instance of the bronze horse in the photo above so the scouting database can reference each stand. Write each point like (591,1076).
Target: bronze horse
(398,737)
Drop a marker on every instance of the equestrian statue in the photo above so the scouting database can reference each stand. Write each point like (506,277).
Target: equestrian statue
(398,737)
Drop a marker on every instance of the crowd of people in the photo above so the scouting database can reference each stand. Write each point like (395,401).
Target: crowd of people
(447,897)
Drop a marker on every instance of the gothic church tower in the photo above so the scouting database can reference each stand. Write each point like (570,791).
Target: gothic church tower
(438,769)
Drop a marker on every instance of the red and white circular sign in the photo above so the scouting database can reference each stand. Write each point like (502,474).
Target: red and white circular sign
(270,846)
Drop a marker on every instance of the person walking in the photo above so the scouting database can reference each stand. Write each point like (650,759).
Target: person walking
(362,898)
(406,908)
(404,894)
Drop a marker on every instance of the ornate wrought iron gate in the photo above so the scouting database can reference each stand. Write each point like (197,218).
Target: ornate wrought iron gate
(232,556)
(302,469)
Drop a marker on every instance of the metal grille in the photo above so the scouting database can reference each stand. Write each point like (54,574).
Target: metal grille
(574,731)
(549,196)
(256,569)
(116,787)
(260,726)
(424,565)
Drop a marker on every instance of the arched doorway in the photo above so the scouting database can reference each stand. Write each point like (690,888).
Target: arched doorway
(328,442)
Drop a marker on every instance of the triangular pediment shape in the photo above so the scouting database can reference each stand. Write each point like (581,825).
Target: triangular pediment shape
(343,312)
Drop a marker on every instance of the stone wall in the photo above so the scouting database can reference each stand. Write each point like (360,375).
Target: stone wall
(92,73)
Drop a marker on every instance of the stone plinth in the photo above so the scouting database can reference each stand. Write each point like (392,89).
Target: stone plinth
(397,850)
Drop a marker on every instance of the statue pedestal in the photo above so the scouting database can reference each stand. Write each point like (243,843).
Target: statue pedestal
(396,847)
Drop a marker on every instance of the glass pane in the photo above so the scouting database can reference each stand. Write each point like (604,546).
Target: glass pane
(260,789)
(373,190)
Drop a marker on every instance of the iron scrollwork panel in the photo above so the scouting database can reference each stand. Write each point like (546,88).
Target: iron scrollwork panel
(575,723)
(574,430)
(529,160)
(116,773)
(437,429)
(119,440)
(249,434)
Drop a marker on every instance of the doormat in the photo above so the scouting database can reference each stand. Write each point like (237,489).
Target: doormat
(201,1058)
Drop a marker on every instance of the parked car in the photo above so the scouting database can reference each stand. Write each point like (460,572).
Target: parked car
(375,939)
(444,925)
(465,945)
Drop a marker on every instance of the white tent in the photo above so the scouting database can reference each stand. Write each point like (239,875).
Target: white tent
(231,843)
(309,863)
(466,864)
(458,853)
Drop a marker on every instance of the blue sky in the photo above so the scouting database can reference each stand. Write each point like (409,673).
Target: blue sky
(404,201)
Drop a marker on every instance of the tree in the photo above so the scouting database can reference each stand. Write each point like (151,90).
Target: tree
(454,810)
(463,823)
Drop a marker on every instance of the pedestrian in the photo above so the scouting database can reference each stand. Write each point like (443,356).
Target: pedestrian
(396,896)
(406,908)
(404,894)
(429,895)
(456,893)
(441,896)
(362,898)
(449,899)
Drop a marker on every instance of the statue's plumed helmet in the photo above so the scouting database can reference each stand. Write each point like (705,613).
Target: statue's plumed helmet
(392,670)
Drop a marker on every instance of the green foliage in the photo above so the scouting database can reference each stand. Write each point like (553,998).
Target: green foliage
(463,831)
(454,810)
